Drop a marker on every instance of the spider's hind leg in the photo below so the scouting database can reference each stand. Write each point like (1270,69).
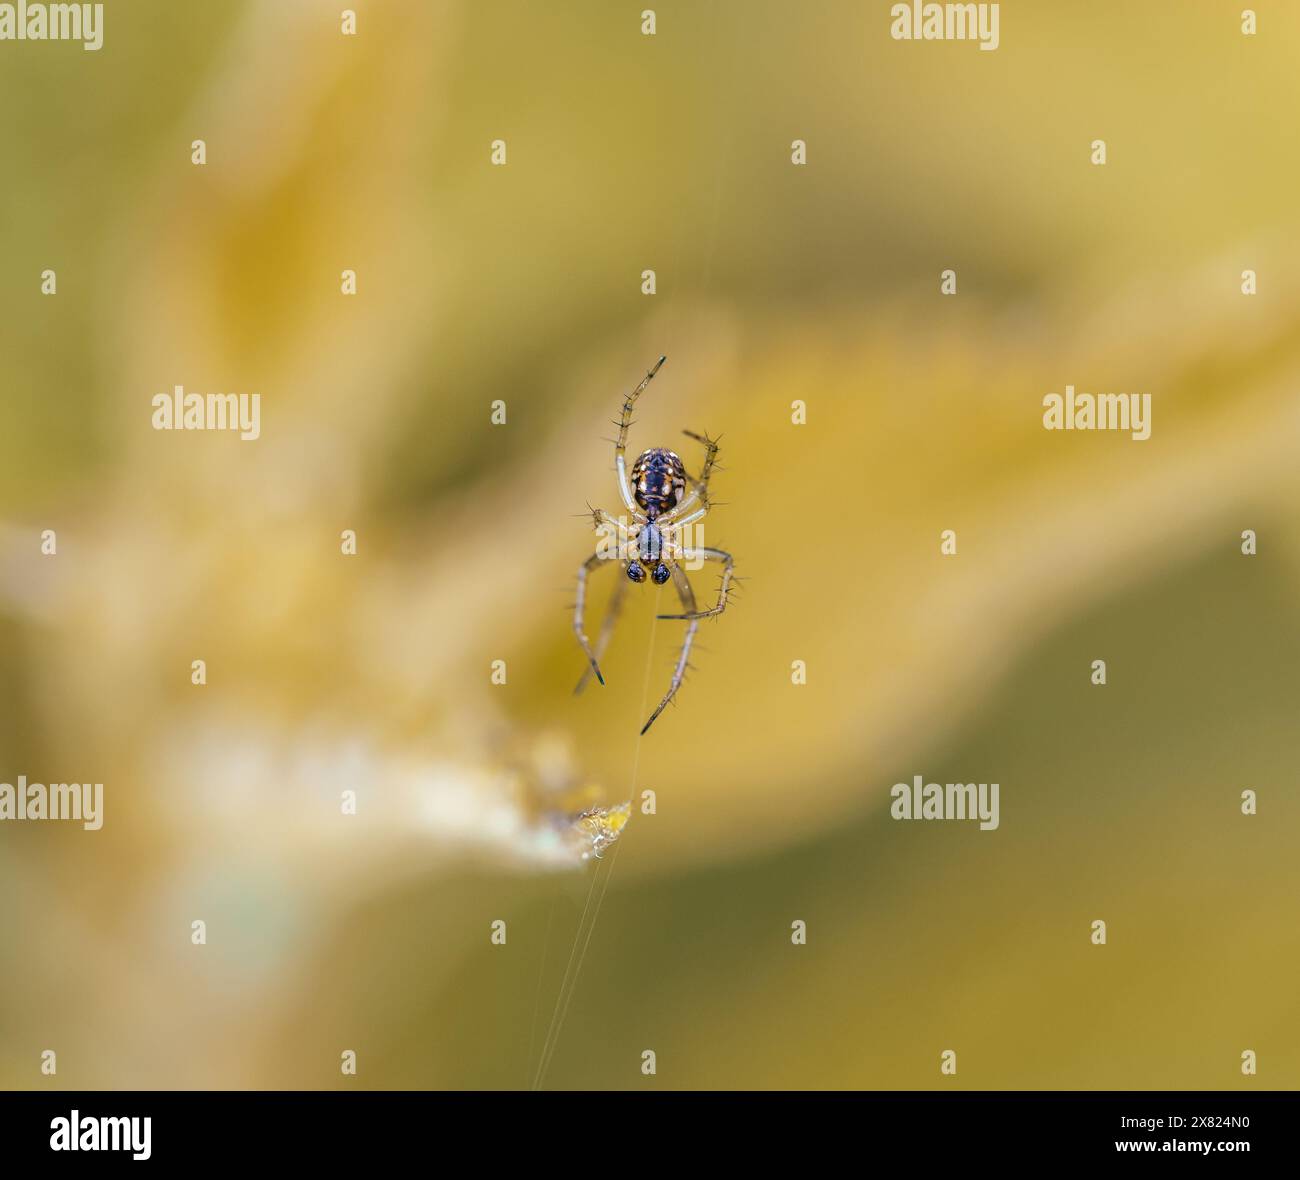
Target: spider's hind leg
(620,444)
(710,458)
(699,488)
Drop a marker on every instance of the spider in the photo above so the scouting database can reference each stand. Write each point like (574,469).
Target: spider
(660,506)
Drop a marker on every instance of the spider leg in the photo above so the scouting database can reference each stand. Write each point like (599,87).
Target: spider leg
(606,629)
(687,520)
(600,519)
(687,595)
(592,563)
(698,487)
(699,492)
(620,447)
(728,565)
(613,533)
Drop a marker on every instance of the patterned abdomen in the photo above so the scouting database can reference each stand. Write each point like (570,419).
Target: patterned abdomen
(658,481)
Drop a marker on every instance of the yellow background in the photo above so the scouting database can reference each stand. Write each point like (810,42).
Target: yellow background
(775,283)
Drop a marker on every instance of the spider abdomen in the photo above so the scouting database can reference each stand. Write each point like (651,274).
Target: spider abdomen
(658,481)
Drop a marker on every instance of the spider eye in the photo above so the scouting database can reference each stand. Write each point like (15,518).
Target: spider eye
(635,571)
(661,574)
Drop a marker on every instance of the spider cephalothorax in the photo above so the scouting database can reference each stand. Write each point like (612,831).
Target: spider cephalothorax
(661,500)
(645,554)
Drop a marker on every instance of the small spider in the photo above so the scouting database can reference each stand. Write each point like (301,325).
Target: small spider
(660,507)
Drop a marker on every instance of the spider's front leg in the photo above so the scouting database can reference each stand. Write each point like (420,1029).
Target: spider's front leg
(592,563)
(687,595)
(728,565)
(606,629)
